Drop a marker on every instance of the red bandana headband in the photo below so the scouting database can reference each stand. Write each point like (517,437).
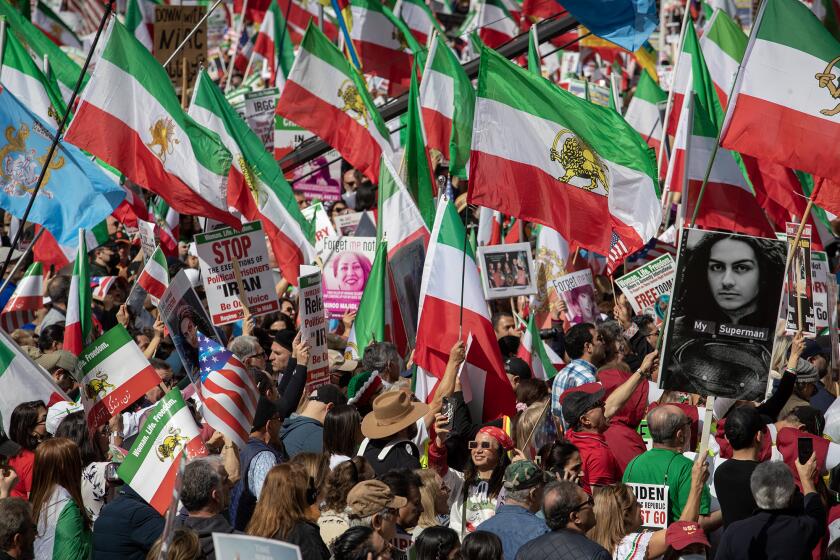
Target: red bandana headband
(499,435)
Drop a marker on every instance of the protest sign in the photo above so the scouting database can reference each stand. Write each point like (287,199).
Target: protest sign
(721,322)
(147,237)
(288,136)
(648,288)
(115,374)
(172,25)
(220,253)
(819,283)
(798,289)
(184,316)
(507,270)
(653,502)
(313,327)
(228,546)
(597,94)
(348,222)
(316,215)
(577,291)
(259,114)
(346,269)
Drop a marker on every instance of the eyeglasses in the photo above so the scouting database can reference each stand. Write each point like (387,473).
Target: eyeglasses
(588,502)
(482,444)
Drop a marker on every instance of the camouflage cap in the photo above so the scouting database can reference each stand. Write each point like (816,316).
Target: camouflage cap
(522,475)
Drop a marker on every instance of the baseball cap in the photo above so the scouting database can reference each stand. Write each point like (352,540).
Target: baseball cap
(681,534)
(372,496)
(577,401)
(522,475)
(814,348)
(328,394)
(57,359)
(266,410)
(518,367)
(339,363)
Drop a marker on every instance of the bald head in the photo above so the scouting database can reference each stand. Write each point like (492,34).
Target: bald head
(666,423)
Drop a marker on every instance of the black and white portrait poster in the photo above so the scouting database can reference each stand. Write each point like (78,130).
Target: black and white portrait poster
(721,322)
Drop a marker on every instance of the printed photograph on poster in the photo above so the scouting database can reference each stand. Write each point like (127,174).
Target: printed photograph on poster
(346,270)
(722,319)
(313,327)
(798,289)
(318,184)
(819,284)
(507,270)
(648,288)
(406,272)
(578,292)
(347,222)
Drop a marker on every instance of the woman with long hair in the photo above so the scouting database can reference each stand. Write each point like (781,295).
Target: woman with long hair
(317,469)
(94,452)
(482,545)
(184,546)
(561,459)
(64,526)
(474,492)
(333,521)
(27,428)
(434,495)
(281,511)
(342,433)
(619,519)
(437,543)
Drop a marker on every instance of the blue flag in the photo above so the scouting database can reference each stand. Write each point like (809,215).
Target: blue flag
(627,23)
(75,194)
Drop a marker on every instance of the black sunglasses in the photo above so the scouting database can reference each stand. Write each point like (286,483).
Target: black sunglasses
(588,502)
(476,444)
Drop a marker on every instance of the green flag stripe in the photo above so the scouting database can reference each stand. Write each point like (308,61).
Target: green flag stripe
(6,356)
(791,23)
(452,231)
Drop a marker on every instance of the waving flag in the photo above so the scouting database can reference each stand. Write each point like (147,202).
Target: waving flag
(400,221)
(542,360)
(53,26)
(78,323)
(496,25)
(418,17)
(273,47)
(228,392)
(369,325)
(139,15)
(627,23)
(27,298)
(418,169)
(155,276)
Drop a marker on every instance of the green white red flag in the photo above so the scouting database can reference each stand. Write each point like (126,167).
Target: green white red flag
(139,15)
(542,360)
(643,112)
(53,26)
(785,107)
(400,221)
(440,316)
(369,325)
(167,222)
(273,47)
(78,322)
(562,161)
(264,193)
(496,24)
(418,170)
(27,298)
(154,278)
(447,100)
(168,434)
(160,147)
(325,95)
(418,17)
(115,374)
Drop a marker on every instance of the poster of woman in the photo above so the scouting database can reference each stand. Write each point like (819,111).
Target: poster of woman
(577,290)
(722,319)
(507,270)
(346,270)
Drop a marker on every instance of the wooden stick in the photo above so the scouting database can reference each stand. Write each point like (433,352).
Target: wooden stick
(241,287)
(184,64)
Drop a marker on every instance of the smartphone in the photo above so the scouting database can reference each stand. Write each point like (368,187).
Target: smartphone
(111,476)
(447,408)
(805,447)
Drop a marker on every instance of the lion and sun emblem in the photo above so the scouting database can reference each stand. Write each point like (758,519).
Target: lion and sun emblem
(578,160)
(21,166)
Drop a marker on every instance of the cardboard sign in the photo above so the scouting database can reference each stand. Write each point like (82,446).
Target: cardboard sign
(798,288)
(346,270)
(577,290)
(653,501)
(217,252)
(648,288)
(172,24)
(229,546)
(313,327)
(819,282)
(259,114)
(147,238)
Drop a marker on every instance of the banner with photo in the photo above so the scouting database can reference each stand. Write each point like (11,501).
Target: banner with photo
(648,288)
(721,323)
(819,282)
(798,288)
(346,269)
(578,292)
(507,270)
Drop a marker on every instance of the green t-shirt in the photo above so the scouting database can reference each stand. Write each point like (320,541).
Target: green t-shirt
(652,466)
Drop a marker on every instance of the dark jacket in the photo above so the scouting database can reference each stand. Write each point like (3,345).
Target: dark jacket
(242,501)
(563,545)
(775,535)
(307,536)
(205,527)
(402,455)
(126,528)
(302,434)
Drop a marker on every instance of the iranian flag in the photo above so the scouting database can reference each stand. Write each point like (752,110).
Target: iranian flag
(496,25)
(643,112)
(441,313)
(418,169)
(168,433)
(139,16)
(22,77)
(255,171)
(785,104)
(155,276)
(447,99)
(575,163)
(273,47)
(78,322)
(301,13)
(541,358)
(27,298)
(418,17)
(325,95)
(383,43)
(115,374)
(400,221)
(159,147)
(53,26)
(369,325)
(167,222)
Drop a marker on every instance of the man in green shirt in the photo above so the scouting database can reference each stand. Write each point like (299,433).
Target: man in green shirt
(670,430)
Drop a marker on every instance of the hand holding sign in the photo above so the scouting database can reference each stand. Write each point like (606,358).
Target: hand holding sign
(796,348)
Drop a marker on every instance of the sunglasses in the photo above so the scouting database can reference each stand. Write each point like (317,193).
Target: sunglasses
(482,444)
(588,502)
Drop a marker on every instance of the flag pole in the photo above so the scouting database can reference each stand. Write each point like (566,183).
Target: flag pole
(45,166)
(193,30)
(463,269)
(670,101)
(2,42)
(236,44)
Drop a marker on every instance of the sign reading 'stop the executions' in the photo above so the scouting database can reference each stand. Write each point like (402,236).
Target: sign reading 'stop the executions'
(217,252)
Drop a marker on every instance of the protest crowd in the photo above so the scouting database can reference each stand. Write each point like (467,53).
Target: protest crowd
(424,279)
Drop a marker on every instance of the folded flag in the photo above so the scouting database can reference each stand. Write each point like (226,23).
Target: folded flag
(627,23)
(27,298)
(168,434)
(418,169)
(155,276)
(78,322)
(228,392)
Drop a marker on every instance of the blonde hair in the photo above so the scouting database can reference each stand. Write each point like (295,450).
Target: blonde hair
(428,492)
(612,505)
(524,424)
(184,546)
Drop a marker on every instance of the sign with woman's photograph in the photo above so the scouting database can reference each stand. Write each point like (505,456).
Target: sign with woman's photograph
(798,287)
(346,270)
(507,270)
(722,319)
(578,292)
(648,288)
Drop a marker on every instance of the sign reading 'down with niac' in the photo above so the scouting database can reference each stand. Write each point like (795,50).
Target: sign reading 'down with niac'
(172,24)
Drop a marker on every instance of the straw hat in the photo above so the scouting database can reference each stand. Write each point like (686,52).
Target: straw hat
(392,412)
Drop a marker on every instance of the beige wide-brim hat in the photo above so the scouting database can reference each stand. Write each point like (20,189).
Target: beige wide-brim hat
(393,411)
